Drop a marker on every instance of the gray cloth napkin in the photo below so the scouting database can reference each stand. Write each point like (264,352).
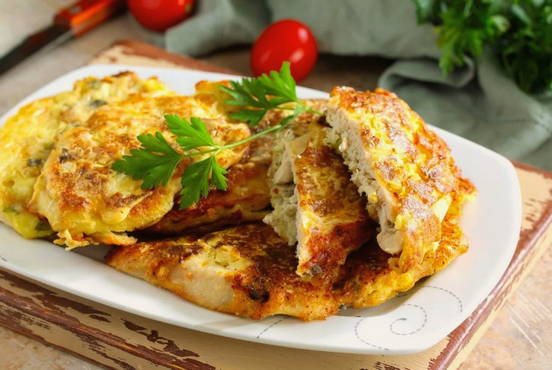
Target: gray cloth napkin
(477,101)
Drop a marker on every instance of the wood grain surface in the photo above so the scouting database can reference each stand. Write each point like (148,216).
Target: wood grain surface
(116,339)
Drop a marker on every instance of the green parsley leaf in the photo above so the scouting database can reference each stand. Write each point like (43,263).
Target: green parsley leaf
(218,176)
(190,135)
(252,116)
(280,84)
(195,181)
(154,162)
(248,93)
(263,93)
(426,10)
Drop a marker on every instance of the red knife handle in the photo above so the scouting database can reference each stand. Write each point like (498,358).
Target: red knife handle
(86,14)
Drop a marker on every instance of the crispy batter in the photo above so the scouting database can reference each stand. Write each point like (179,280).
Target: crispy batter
(249,271)
(405,170)
(331,217)
(28,137)
(370,276)
(245,270)
(86,201)
(325,215)
(247,197)
(209,94)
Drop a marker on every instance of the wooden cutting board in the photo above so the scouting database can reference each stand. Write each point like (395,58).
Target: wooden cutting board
(116,339)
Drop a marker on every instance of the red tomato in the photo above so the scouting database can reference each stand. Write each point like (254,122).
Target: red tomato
(158,15)
(285,40)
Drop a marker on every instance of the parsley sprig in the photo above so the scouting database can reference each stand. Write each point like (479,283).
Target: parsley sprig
(156,160)
(264,93)
(517,32)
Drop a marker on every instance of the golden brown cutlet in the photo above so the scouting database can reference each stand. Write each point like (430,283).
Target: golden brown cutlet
(86,201)
(249,271)
(404,169)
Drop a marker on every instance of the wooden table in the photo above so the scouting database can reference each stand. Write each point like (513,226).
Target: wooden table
(519,336)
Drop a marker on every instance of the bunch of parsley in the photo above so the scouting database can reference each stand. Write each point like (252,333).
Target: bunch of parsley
(519,32)
(156,160)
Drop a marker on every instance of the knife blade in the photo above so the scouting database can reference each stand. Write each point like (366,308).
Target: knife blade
(32,44)
(72,21)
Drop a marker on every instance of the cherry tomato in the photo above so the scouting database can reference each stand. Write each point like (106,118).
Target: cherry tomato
(285,40)
(158,15)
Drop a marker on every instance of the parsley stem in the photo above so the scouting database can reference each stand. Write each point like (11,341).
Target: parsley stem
(313,111)
(303,106)
(193,154)
(253,137)
(236,143)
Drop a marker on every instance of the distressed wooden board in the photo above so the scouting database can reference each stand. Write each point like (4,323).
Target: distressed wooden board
(145,55)
(117,339)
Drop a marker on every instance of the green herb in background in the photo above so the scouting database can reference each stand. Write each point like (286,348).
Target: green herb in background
(156,160)
(519,32)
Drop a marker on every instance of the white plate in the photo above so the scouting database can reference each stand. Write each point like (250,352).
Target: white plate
(410,323)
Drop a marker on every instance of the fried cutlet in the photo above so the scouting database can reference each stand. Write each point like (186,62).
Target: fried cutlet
(250,271)
(404,169)
(27,138)
(246,199)
(248,196)
(86,201)
(247,270)
(315,203)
